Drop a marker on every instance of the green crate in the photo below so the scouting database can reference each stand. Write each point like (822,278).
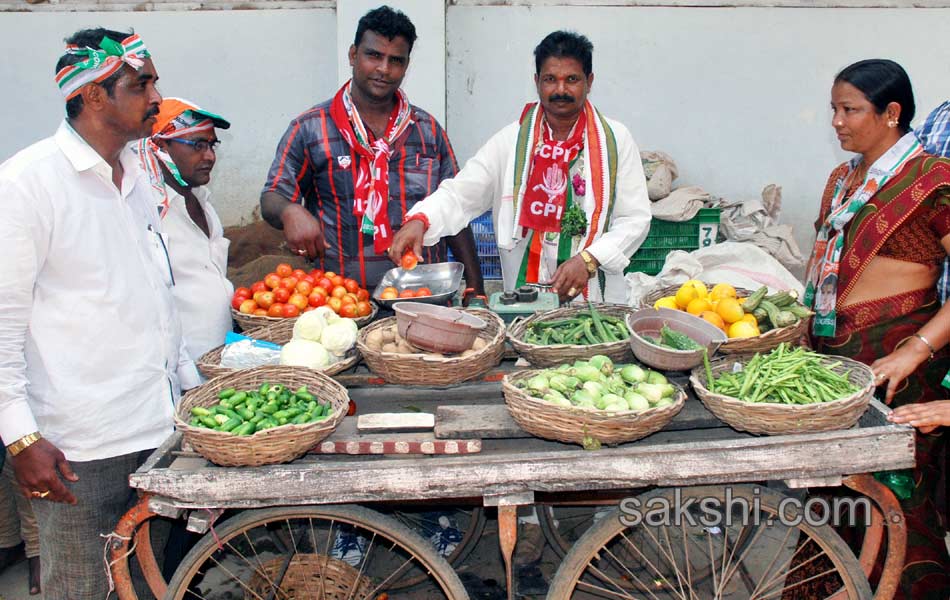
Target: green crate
(666,236)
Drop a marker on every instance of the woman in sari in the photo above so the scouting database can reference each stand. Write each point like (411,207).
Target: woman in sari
(882,234)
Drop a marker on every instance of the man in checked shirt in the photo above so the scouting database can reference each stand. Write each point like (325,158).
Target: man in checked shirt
(347,170)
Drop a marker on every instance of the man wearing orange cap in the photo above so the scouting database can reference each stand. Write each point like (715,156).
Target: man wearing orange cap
(179,158)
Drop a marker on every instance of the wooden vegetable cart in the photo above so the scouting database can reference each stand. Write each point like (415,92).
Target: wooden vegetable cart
(512,470)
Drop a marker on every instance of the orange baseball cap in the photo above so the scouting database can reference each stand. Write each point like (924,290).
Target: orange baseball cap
(178,114)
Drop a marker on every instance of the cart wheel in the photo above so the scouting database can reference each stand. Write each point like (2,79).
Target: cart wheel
(453,531)
(311,552)
(563,525)
(698,557)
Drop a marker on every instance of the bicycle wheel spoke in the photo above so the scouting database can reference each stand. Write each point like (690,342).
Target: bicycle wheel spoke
(771,564)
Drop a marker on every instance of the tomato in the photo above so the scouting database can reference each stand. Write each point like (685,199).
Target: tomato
(335,304)
(298,300)
(407,294)
(299,273)
(349,311)
(338,291)
(260,312)
(348,299)
(316,299)
(389,293)
(276,310)
(309,308)
(264,299)
(237,301)
(284,270)
(316,273)
(290,311)
(362,294)
(259,286)
(309,279)
(304,287)
(289,282)
(422,292)
(281,295)
(409,260)
(351,409)
(325,283)
(364,308)
(243,291)
(247,307)
(329,274)
(351,285)
(272,281)
(337,281)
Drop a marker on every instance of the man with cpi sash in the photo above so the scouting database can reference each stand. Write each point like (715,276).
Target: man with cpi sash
(564,183)
(91,353)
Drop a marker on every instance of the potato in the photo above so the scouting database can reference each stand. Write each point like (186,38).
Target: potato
(390,347)
(468,352)
(387,335)
(479,344)
(405,348)
(374,339)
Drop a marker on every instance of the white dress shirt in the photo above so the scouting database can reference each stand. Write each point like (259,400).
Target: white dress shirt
(200,266)
(481,186)
(91,353)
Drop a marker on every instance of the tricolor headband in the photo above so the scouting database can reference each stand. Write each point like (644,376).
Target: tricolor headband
(100,64)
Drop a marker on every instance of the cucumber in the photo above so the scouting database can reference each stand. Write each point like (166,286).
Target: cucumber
(677,340)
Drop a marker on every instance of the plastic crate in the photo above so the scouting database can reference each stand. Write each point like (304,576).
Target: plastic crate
(485,246)
(666,236)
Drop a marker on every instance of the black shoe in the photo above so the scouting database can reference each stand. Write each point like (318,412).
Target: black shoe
(529,581)
(482,589)
(11,556)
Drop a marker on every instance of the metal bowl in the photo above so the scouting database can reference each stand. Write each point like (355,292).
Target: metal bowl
(649,321)
(444,279)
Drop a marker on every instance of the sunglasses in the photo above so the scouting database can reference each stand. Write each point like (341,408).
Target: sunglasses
(198,145)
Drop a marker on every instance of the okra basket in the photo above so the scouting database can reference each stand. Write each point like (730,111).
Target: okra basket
(248,322)
(545,420)
(760,343)
(279,332)
(423,369)
(556,354)
(776,419)
(271,446)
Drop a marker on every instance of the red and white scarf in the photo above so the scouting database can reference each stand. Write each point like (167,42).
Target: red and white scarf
(545,195)
(371,167)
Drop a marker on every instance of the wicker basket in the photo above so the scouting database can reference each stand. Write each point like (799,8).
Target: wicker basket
(280,332)
(277,445)
(545,420)
(776,419)
(248,322)
(422,369)
(556,354)
(309,576)
(760,343)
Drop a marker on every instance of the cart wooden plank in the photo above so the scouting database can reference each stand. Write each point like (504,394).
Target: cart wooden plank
(688,457)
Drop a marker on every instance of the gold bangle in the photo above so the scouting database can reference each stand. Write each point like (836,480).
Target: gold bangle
(23,443)
(589,263)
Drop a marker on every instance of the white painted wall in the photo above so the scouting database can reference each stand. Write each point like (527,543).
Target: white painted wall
(259,69)
(738,96)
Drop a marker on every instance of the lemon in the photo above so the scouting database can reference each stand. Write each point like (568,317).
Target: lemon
(700,287)
(685,295)
(742,329)
(666,302)
(750,318)
(730,310)
(697,306)
(713,318)
(722,290)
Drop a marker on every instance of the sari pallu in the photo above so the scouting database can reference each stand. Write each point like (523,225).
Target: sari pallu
(870,330)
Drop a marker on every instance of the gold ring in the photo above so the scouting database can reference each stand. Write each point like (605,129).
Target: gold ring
(572,292)
(37,494)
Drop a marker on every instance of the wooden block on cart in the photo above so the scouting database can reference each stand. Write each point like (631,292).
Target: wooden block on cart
(347,440)
(485,422)
(379,422)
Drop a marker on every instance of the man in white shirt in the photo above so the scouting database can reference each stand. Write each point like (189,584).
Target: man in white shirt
(91,353)
(183,145)
(564,183)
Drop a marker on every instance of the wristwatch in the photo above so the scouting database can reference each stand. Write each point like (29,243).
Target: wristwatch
(23,443)
(589,261)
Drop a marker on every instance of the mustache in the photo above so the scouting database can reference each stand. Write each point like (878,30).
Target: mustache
(151,112)
(561,97)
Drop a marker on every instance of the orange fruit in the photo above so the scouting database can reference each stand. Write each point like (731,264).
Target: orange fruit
(697,306)
(713,318)
(699,286)
(730,310)
(685,295)
(722,290)
(666,302)
(742,329)
(750,318)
